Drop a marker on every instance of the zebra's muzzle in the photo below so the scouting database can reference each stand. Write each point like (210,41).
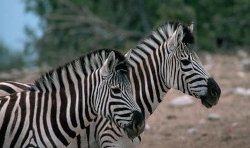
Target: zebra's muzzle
(137,126)
(213,94)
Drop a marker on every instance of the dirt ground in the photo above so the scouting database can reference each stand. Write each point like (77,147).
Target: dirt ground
(168,126)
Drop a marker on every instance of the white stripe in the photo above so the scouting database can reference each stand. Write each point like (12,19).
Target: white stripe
(3,110)
(35,123)
(49,124)
(12,118)
(74,79)
(26,119)
(68,96)
(44,136)
(58,110)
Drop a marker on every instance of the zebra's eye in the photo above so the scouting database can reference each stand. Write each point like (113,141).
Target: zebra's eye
(116,90)
(185,62)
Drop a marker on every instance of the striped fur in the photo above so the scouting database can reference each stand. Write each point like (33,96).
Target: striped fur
(160,62)
(155,68)
(10,87)
(64,101)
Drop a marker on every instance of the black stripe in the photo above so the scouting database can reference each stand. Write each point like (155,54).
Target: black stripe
(31,100)
(53,118)
(97,125)
(155,40)
(6,118)
(190,76)
(159,33)
(64,102)
(20,85)
(92,94)
(73,98)
(195,80)
(86,95)
(87,134)
(148,45)
(7,89)
(38,115)
(79,140)
(137,88)
(142,91)
(23,115)
(45,109)
(80,103)
(147,76)
(103,101)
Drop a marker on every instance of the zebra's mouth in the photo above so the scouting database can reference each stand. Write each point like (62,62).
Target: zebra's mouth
(206,104)
(133,131)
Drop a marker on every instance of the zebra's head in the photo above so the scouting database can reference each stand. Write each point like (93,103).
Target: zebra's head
(185,71)
(118,104)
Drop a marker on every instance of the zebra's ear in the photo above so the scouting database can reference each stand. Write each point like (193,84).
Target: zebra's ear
(127,55)
(109,65)
(191,27)
(175,38)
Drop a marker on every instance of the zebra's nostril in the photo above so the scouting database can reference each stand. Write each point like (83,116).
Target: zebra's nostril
(138,120)
(213,88)
(214,94)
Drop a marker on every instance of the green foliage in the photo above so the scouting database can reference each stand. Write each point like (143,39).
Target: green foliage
(9,60)
(222,23)
(75,27)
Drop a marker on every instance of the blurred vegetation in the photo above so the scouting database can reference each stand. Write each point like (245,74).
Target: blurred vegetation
(74,27)
(10,59)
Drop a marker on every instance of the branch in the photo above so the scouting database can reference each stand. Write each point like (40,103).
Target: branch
(86,18)
(71,6)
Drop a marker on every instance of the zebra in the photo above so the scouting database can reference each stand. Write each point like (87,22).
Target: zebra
(161,61)
(64,101)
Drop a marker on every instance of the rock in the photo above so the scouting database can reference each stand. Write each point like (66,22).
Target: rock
(202,121)
(192,131)
(169,117)
(242,54)
(242,91)
(182,101)
(213,117)
(235,124)
(182,138)
(241,74)
(246,64)
(147,127)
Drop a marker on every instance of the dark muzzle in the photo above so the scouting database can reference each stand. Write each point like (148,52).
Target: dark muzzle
(213,94)
(137,126)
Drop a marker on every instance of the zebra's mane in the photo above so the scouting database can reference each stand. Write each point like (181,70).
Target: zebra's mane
(162,34)
(84,64)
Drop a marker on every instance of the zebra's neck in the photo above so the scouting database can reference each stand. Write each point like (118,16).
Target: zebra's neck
(146,74)
(146,79)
